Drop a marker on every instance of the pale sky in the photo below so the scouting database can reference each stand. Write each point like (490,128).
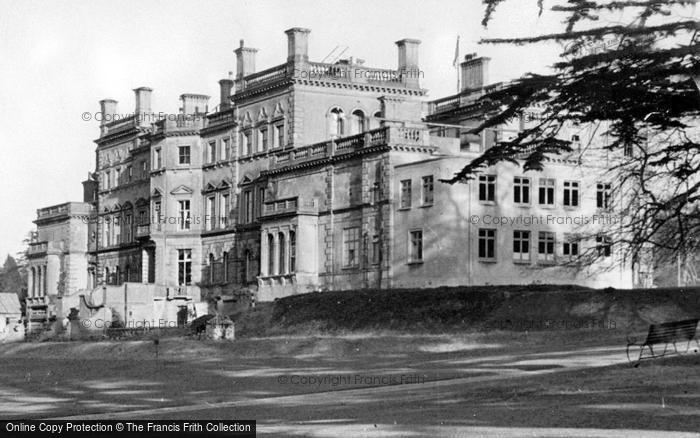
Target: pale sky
(58,59)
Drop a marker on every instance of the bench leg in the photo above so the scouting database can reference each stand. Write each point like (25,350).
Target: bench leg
(674,347)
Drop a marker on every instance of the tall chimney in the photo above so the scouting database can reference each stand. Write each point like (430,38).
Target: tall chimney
(297,44)
(225,86)
(474,71)
(245,61)
(142,96)
(408,61)
(108,108)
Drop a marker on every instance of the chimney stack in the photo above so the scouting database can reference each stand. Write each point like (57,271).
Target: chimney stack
(142,96)
(408,69)
(245,61)
(297,45)
(108,108)
(194,104)
(474,71)
(225,87)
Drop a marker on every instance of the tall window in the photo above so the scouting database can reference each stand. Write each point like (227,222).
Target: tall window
(292,251)
(157,159)
(570,246)
(144,169)
(184,217)
(262,140)
(603,195)
(487,188)
(156,214)
(260,201)
(184,267)
(129,173)
(210,262)
(545,246)
(107,226)
(571,193)
(487,243)
(184,154)
(248,202)
(128,223)
(279,135)
(547,191)
(351,246)
(224,208)
(521,190)
(225,267)
(107,181)
(337,122)
(270,254)
(358,120)
(603,246)
(211,155)
(406,193)
(521,245)
(415,246)
(428,190)
(245,143)
(210,220)
(225,148)
(281,254)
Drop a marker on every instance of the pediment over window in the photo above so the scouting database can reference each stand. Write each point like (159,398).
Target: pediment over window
(247,179)
(182,190)
(209,187)
(262,115)
(279,111)
(225,183)
(141,202)
(116,207)
(157,193)
(247,120)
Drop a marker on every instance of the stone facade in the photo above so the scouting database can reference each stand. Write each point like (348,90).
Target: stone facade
(297,181)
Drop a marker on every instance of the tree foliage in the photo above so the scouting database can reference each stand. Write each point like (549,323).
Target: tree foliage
(640,85)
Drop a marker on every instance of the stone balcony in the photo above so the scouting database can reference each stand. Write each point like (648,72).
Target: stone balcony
(319,72)
(143,231)
(38,249)
(289,206)
(382,137)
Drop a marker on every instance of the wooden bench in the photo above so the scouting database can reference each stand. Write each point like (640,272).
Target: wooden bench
(665,333)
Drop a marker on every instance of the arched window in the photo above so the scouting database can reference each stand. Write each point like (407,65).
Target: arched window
(210,262)
(270,254)
(106,279)
(282,255)
(117,276)
(225,266)
(375,122)
(292,251)
(358,121)
(336,120)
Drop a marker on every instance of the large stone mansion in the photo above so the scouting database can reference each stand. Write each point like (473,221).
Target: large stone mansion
(310,176)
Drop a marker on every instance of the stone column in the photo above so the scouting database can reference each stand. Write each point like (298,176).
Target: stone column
(264,255)
(30,282)
(144,266)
